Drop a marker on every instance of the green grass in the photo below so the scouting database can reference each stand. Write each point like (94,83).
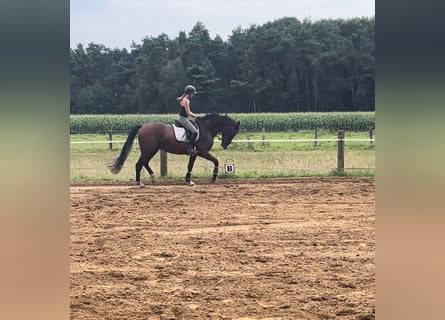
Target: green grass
(299,146)
(88,162)
(251,146)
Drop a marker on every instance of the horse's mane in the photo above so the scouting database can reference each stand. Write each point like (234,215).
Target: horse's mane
(216,117)
(213,116)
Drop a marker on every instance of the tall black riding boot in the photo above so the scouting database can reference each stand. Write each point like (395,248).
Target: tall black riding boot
(191,150)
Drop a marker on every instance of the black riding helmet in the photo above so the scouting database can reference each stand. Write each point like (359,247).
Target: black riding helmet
(190,89)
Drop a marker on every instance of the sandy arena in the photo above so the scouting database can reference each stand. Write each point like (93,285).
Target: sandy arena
(238,249)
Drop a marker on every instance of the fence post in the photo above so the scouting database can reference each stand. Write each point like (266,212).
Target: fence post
(370,135)
(341,151)
(264,136)
(110,138)
(163,156)
(315,138)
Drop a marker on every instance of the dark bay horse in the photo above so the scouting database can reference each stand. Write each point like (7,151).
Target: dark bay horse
(155,136)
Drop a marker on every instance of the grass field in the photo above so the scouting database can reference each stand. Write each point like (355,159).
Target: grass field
(88,161)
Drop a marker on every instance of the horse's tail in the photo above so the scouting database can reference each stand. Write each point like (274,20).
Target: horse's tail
(116,166)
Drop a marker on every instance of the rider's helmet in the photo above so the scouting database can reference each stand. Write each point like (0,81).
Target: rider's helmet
(190,89)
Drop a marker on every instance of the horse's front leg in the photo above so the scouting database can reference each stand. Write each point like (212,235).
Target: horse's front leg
(189,170)
(215,161)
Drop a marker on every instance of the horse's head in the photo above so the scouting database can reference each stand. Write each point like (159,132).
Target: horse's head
(229,130)
(217,123)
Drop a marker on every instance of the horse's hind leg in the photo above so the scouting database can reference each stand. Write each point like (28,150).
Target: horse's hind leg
(143,162)
(139,166)
(150,172)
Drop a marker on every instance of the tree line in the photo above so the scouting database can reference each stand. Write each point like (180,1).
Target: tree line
(286,65)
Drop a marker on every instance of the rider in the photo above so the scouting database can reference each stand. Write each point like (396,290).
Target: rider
(185,113)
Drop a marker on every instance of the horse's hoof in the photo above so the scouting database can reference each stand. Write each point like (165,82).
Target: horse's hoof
(191,183)
(140,184)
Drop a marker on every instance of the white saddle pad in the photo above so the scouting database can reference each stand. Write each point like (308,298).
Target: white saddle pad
(180,134)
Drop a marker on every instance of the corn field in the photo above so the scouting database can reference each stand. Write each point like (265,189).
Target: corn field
(271,122)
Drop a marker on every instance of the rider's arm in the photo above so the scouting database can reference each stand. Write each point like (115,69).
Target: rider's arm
(187,109)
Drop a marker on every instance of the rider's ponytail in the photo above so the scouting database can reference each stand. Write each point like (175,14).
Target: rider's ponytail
(179,99)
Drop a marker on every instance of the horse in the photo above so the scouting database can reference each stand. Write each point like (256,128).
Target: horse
(155,136)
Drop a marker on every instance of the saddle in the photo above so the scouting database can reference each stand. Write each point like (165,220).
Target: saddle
(181,134)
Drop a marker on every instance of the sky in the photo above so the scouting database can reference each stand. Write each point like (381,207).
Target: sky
(118,23)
